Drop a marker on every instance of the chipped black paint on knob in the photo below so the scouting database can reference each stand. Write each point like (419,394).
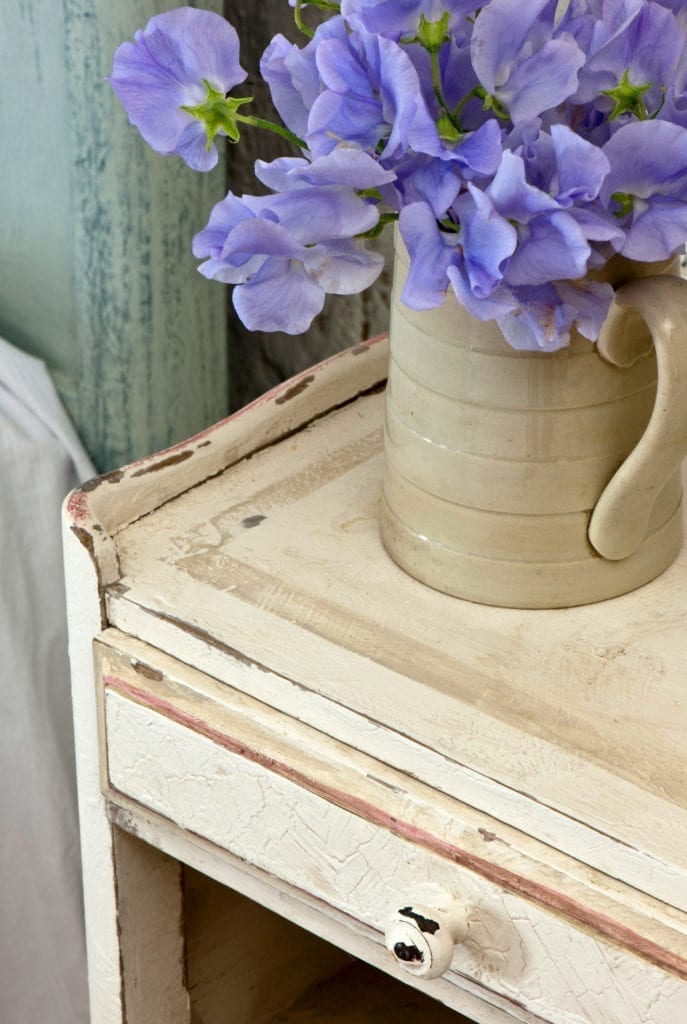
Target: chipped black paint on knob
(423,923)
(408,954)
(422,939)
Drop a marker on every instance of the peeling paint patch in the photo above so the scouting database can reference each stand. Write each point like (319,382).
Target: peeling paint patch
(295,389)
(171,460)
(85,538)
(77,506)
(250,521)
(119,588)
(147,671)
(491,837)
(113,477)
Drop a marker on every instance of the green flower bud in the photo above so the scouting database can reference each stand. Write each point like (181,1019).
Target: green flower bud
(433,34)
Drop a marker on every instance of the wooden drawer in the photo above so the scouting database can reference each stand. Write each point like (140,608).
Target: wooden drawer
(550,938)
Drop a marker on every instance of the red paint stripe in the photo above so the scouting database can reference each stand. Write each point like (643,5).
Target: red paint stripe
(550,899)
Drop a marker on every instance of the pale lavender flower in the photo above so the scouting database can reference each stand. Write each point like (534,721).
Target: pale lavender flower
(371,95)
(292,76)
(518,60)
(629,74)
(286,252)
(396,18)
(165,69)
(647,187)
(546,314)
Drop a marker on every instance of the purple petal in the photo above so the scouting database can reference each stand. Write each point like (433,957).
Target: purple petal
(582,167)
(543,80)
(281,297)
(224,217)
(192,147)
(321,212)
(431,253)
(486,239)
(345,165)
(588,302)
(480,151)
(511,194)
(346,268)
(192,45)
(428,180)
(554,248)
(499,302)
(647,157)
(261,237)
(657,231)
(501,31)
(537,324)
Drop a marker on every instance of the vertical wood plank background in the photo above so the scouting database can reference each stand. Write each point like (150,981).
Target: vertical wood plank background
(96,271)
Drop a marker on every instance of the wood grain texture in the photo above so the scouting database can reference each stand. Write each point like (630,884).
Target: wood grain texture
(97,273)
(150,899)
(258,360)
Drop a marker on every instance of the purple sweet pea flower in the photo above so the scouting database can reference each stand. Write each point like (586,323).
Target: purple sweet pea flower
(545,314)
(519,62)
(470,258)
(551,244)
(286,252)
(292,76)
(426,179)
(571,171)
(636,63)
(164,70)
(396,18)
(647,187)
(371,95)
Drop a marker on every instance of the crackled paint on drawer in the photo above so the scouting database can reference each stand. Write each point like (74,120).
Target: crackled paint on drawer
(567,975)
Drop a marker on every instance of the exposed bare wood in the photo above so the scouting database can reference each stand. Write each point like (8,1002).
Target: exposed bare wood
(246,964)
(151,933)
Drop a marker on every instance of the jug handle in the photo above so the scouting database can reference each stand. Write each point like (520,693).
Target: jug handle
(620,519)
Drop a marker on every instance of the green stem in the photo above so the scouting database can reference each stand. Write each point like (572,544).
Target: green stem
(299,20)
(438,91)
(270,126)
(474,93)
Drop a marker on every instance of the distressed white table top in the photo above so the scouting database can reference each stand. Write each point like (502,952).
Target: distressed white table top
(268,573)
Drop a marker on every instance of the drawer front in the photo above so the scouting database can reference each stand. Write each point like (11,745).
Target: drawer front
(347,837)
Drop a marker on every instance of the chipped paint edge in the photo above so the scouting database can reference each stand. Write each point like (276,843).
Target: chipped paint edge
(97,510)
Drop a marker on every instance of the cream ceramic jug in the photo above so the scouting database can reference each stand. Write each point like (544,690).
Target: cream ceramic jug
(538,480)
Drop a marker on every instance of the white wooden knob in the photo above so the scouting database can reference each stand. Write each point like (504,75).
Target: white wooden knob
(422,939)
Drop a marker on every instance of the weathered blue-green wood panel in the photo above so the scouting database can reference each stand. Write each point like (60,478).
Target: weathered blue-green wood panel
(96,271)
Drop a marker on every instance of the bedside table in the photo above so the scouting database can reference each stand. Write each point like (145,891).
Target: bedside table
(284,739)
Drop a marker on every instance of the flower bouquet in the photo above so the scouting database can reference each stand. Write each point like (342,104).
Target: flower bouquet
(533,157)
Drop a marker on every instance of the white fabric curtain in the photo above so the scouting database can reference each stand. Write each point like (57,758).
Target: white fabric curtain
(42,957)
